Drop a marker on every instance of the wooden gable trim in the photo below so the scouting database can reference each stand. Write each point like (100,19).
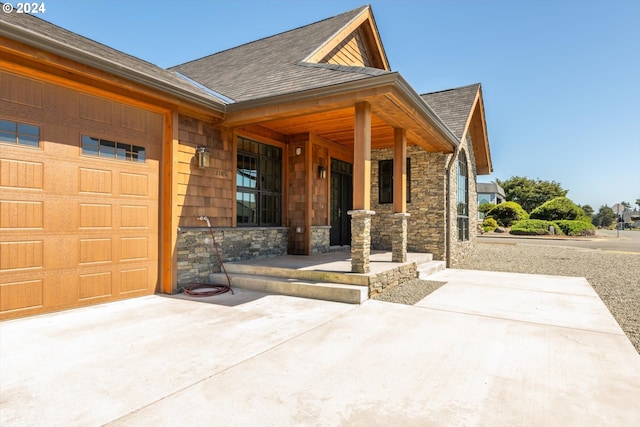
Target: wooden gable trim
(363,24)
(476,125)
(481,139)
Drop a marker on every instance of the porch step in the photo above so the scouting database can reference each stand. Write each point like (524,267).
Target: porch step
(338,292)
(298,274)
(426,269)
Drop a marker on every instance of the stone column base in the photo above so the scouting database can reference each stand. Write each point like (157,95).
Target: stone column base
(361,240)
(399,237)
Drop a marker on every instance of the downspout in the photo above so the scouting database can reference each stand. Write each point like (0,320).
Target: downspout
(448,205)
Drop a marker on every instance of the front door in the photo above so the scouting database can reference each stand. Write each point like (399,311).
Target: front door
(341,202)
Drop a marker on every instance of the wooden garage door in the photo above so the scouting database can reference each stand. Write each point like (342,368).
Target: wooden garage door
(78,225)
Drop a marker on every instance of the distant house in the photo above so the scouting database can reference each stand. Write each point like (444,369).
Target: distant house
(290,144)
(489,192)
(631,219)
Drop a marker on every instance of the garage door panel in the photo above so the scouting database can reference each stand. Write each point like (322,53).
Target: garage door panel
(20,255)
(21,214)
(134,248)
(132,184)
(98,250)
(96,215)
(96,181)
(21,174)
(134,280)
(21,295)
(134,216)
(96,285)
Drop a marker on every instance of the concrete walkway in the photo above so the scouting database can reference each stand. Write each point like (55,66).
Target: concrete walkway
(496,349)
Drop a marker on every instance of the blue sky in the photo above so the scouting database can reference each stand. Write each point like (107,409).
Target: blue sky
(561,79)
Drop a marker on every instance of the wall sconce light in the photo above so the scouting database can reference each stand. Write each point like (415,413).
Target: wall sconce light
(202,153)
(298,151)
(322,172)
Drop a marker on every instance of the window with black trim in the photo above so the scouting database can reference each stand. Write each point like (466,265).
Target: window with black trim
(112,150)
(19,133)
(385,181)
(259,184)
(462,197)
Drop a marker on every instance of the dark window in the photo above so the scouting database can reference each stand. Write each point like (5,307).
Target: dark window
(19,133)
(112,150)
(259,184)
(385,181)
(462,197)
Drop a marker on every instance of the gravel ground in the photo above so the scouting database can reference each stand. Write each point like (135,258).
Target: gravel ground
(615,276)
(409,293)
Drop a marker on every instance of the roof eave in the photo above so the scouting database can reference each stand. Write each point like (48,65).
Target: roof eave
(392,79)
(420,104)
(49,45)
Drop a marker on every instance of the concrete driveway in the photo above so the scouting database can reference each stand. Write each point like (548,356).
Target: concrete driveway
(497,349)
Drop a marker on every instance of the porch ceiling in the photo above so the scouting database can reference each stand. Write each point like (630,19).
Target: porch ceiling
(335,121)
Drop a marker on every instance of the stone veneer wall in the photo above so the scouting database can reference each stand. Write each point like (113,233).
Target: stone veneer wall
(427,222)
(320,239)
(402,274)
(459,249)
(197,257)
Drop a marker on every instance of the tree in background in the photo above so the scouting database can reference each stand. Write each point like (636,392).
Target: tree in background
(638,202)
(588,210)
(530,193)
(627,206)
(605,217)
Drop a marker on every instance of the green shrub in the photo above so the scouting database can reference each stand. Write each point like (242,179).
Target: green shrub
(506,213)
(486,207)
(576,227)
(537,227)
(489,224)
(560,208)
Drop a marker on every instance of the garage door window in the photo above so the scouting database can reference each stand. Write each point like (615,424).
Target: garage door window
(19,133)
(112,150)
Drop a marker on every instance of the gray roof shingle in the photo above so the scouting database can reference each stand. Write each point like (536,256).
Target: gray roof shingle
(453,106)
(490,188)
(273,65)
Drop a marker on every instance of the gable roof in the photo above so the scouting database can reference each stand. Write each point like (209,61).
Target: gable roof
(462,111)
(293,61)
(38,33)
(453,106)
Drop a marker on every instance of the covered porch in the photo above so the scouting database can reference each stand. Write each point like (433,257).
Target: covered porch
(345,125)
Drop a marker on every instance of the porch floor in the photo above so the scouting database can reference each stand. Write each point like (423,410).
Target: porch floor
(334,262)
(325,276)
